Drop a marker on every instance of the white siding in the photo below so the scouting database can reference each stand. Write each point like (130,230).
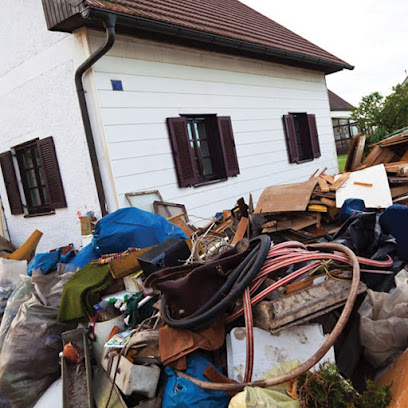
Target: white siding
(38,99)
(163,81)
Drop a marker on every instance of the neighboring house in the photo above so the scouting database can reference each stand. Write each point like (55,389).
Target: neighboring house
(344,128)
(203,101)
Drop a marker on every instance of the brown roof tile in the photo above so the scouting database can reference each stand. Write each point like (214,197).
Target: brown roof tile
(229,18)
(337,103)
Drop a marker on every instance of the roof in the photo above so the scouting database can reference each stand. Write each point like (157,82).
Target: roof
(229,18)
(337,103)
(225,26)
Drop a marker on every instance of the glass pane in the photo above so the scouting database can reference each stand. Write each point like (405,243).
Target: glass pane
(35,198)
(42,178)
(45,195)
(200,130)
(37,157)
(207,166)
(204,149)
(31,179)
(190,132)
(27,159)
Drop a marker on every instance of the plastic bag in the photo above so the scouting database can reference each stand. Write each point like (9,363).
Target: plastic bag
(384,322)
(22,293)
(272,397)
(29,360)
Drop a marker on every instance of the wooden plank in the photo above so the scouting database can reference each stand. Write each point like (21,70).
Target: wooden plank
(400,168)
(329,179)
(323,185)
(329,203)
(358,152)
(350,154)
(286,197)
(317,208)
(241,230)
(343,177)
(399,190)
(397,180)
(372,156)
(278,313)
(314,174)
(359,183)
(405,156)
(178,220)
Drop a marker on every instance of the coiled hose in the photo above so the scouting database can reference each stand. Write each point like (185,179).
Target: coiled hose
(234,287)
(350,258)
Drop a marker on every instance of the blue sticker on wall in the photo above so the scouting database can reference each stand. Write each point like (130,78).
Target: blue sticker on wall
(116,85)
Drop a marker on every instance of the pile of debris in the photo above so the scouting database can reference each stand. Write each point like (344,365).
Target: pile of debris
(157,312)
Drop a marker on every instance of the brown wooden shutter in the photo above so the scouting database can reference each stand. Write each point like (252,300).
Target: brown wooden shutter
(10,180)
(228,146)
(314,138)
(290,134)
(49,163)
(182,154)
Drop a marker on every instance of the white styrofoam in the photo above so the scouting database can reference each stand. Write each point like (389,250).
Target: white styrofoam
(376,196)
(52,397)
(294,343)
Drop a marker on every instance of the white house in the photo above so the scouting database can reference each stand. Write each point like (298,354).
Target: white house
(203,101)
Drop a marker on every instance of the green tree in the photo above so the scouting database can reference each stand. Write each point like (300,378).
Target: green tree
(394,113)
(378,116)
(368,112)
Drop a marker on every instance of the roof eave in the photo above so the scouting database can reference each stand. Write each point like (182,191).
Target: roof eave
(128,24)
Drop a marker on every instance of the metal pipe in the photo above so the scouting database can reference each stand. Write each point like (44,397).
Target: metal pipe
(109,22)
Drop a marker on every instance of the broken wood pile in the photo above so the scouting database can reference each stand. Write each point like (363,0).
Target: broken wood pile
(393,153)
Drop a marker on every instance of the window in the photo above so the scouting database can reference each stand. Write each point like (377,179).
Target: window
(301,137)
(40,177)
(203,148)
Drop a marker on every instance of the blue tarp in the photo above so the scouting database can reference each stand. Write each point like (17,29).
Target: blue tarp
(47,262)
(126,228)
(181,393)
(394,221)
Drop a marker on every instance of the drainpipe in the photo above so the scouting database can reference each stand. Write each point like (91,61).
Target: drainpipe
(109,23)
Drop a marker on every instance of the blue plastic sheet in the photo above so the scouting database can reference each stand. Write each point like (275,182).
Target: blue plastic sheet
(126,228)
(350,207)
(181,393)
(394,221)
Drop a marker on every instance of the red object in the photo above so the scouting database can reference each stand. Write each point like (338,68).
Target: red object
(72,353)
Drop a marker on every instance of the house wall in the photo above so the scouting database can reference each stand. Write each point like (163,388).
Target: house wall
(163,81)
(38,99)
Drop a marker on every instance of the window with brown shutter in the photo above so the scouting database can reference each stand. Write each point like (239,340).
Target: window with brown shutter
(203,149)
(10,181)
(40,177)
(301,137)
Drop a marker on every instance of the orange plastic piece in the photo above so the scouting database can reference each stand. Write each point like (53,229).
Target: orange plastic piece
(27,250)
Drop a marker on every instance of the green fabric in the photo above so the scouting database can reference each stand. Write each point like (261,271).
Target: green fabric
(82,292)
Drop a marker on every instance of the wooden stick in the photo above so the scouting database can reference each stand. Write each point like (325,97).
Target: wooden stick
(358,183)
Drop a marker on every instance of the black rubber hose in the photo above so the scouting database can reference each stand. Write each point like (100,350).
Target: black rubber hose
(229,292)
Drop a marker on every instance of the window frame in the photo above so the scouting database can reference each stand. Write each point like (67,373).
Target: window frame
(41,185)
(302,139)
(186,152)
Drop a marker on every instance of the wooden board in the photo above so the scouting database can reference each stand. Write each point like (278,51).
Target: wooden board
(290,308)
(241,230)
(372,156)
(339,181)
(405,156)
(400,168)
(377,196)
(329,203)
(356,154)
(324,187)
(329,179)
(286,197)
(400,190)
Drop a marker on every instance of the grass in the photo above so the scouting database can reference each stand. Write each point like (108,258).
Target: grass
(342,161)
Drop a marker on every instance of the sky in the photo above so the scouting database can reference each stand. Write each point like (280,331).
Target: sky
(371,35)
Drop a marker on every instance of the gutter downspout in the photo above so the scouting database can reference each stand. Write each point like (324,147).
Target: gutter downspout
(109,22)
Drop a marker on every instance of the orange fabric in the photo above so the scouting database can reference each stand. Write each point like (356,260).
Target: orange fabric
(175,344)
